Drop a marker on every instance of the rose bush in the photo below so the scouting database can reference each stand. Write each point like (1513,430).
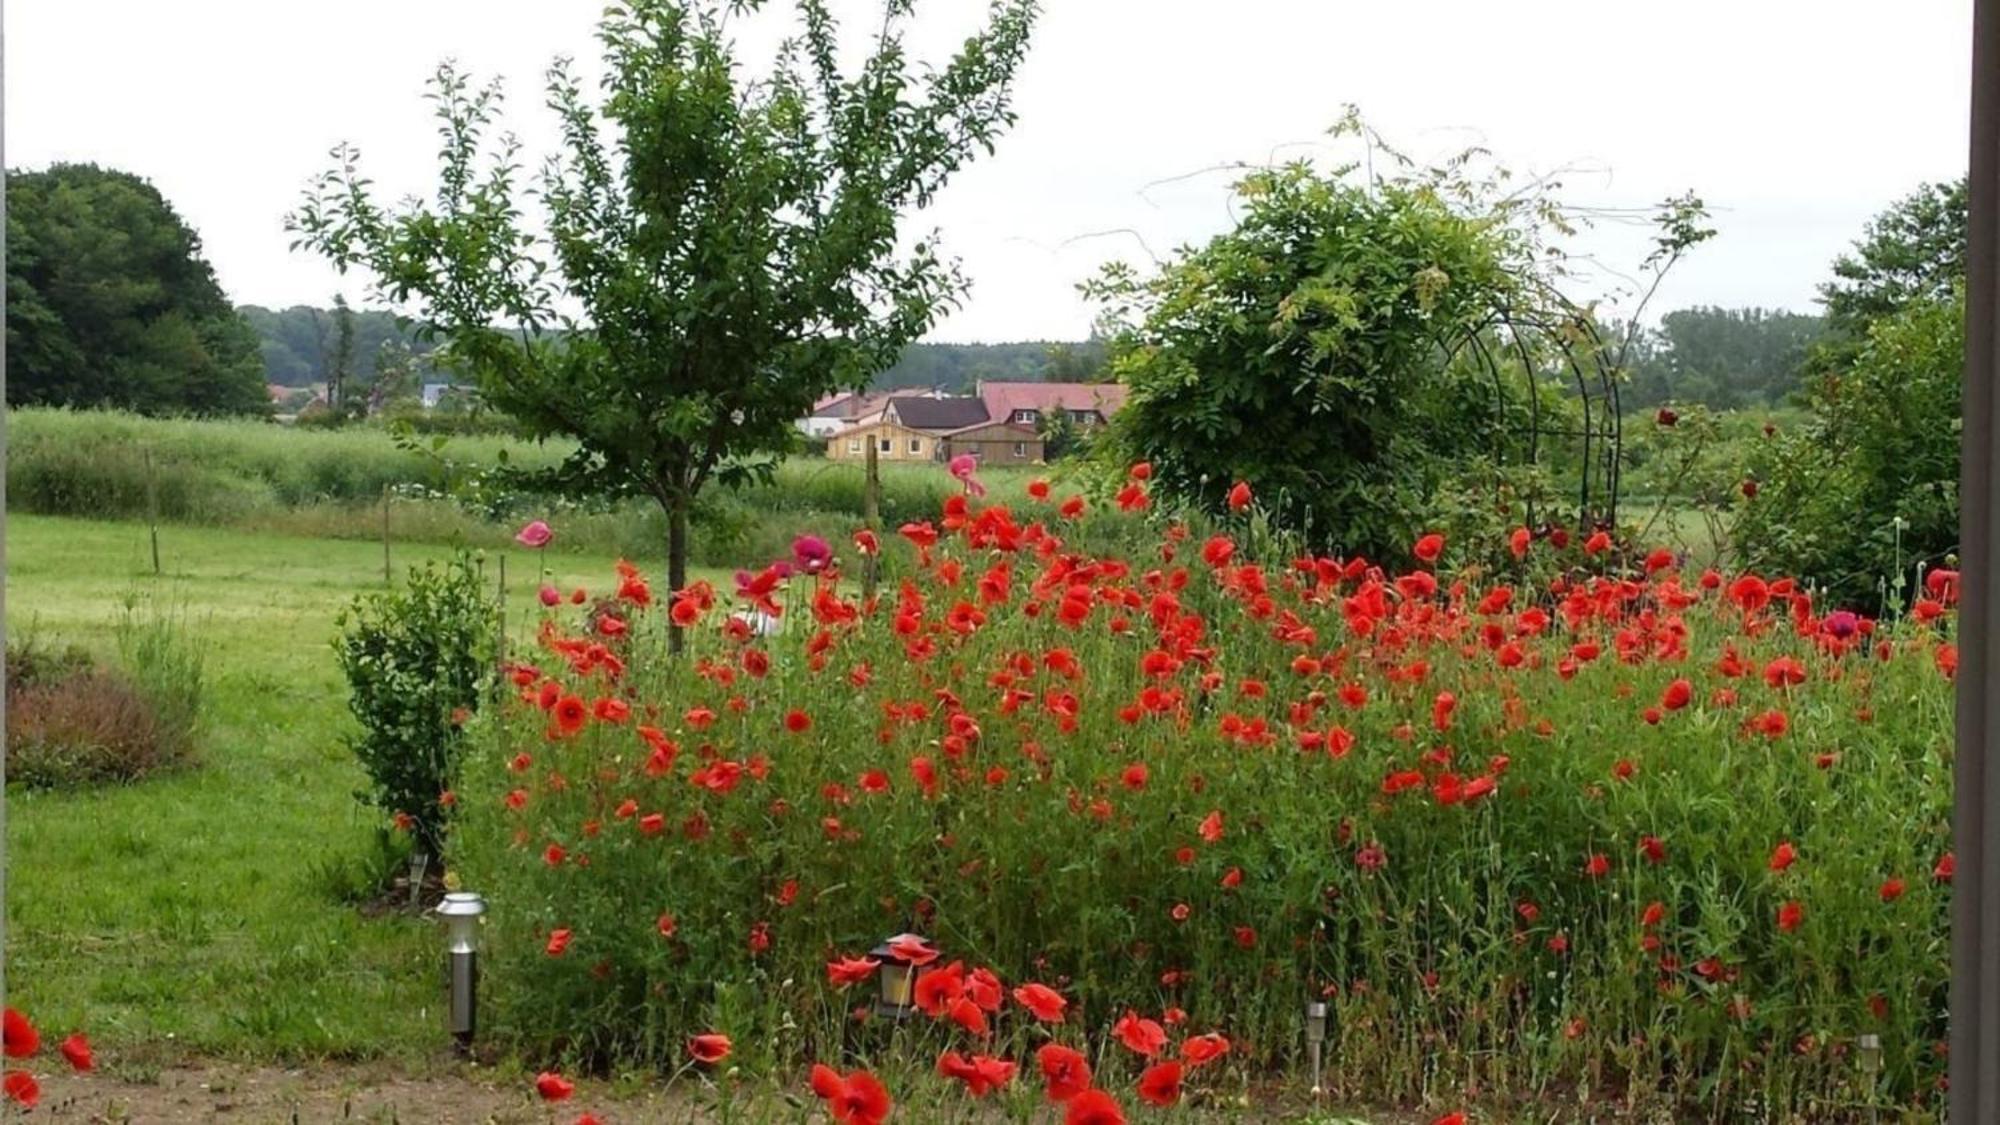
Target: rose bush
(1593,821)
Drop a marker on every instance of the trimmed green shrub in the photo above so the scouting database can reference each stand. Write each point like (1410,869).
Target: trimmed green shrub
(418,661)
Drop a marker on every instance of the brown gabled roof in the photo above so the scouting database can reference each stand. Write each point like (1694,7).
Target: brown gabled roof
(939,414)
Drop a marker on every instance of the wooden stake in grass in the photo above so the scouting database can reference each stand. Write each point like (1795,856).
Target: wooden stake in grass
(153,509)
(871,516)
(500,617)
(386,580)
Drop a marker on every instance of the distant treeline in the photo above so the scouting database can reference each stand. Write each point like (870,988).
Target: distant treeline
(299,347)
(1728,359)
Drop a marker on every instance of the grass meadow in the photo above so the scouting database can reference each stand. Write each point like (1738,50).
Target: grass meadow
(204,912)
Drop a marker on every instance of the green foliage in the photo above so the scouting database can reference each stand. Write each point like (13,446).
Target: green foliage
(1868,487)
(418,662)
(1723,358)
(1913,252)
(719,254)
(1309,352)
(110,303)
(297,342)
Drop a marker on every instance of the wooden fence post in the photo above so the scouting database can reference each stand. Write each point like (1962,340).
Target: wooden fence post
(871,516)
(386,579)
(153,509)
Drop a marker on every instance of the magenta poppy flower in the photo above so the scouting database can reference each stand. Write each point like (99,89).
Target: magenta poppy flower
(962,468)
(811,553)
(535,534)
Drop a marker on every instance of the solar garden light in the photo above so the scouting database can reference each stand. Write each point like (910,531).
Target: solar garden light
(461,911)
(1316,1040)
(895,978)
(1870,1050)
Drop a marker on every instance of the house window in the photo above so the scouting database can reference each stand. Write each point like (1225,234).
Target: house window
(916,445)
(1020,449)
(854,445)
(886,446)
(1028,416)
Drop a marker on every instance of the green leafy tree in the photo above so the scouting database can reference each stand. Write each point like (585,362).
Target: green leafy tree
(340,366)
(1867,489)
(110,303)
(1912,252)
(720,252)
(1308,352)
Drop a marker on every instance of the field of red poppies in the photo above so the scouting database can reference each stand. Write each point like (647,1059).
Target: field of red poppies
(1582,824)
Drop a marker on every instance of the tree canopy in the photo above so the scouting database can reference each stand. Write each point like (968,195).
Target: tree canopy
(1726,358)
(719,252)
(110,303)
(1310,352)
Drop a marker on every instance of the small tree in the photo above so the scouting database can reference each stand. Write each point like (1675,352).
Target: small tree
(418,661)
(720,252)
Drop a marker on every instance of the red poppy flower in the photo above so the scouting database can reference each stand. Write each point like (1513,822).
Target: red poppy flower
(553,1087)
(1039,489)
(857,1098)
(1065,1072)
(1946,868)
(1784,856)
(710,1048)
(914,950)
(937,989)
(1677,695)
(1211,827)
(844,971)
(1202,1049)
(1160,1085)
(558,942)
(571,713)
(797,721)
(1891,890)
(1428,548)
(968,1016)
(22,1087)
(1790,916)
(1597,866)
(982,1074)
(1456,1117)
(76,1049)
(1094,1107)
(1043,1002)
(18,1036)
(1139,1034)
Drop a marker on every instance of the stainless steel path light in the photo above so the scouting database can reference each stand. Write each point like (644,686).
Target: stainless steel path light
(1316,1011)
(461,911)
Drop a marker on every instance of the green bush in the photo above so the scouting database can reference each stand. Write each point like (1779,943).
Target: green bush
(418,661)
(1310,352)
(71,722)
(1866,490)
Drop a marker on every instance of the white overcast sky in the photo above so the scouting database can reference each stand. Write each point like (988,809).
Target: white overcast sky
(1795,119)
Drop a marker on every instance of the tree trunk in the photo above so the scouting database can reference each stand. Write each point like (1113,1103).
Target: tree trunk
(677,562)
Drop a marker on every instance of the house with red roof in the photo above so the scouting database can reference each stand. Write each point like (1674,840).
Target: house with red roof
(1031,404)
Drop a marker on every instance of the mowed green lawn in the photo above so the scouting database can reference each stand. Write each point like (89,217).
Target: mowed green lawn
(182,914)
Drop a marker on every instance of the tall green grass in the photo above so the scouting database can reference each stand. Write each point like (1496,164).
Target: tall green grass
(261,476)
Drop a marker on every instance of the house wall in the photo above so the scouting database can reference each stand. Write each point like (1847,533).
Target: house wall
(996,445)
(902,444)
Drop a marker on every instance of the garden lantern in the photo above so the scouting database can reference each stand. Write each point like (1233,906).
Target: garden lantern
(1870,1049)
(461,911)
(1316,1040)
(896,978)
